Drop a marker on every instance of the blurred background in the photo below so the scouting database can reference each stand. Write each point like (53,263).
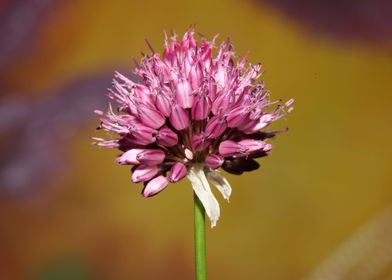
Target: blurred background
(319,208)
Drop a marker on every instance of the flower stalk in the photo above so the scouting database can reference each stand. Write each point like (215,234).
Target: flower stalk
(193,111)
(200,239)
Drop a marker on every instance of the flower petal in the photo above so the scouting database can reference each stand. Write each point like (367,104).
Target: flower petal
(202,189)
(220,183)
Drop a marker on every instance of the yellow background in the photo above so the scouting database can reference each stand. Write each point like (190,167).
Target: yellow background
(325,180)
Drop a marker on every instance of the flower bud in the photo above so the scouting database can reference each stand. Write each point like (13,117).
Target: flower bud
(251,145)
(214,161)
(177,172)
(130,157)
(179,118)
(216,126)
(144,173)
(237,117)
(212,88)
(184,95)
(229,148)
(155,186)
(220,103)
(195,76)
(188,154)
(151,157)
(163,104)
(150,117)
(200,142)
(201,108)
(143,134)
(166,137)
(136,141)
(144,94)
(160,67)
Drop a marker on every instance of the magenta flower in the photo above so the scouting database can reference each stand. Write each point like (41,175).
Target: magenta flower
(192,113)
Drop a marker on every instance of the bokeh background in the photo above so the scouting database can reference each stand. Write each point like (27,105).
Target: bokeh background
(319,208)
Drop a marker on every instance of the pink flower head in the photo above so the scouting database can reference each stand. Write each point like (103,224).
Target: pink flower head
(192,113)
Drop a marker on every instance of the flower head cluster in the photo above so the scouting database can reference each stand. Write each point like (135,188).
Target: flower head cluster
(192,113)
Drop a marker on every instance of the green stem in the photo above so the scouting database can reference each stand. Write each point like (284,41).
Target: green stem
(200,240)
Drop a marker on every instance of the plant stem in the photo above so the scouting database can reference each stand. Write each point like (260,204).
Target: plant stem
(200,240)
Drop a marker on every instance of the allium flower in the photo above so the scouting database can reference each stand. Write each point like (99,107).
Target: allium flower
(192,113)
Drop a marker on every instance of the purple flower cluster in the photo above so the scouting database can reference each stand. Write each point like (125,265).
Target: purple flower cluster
(192,108)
